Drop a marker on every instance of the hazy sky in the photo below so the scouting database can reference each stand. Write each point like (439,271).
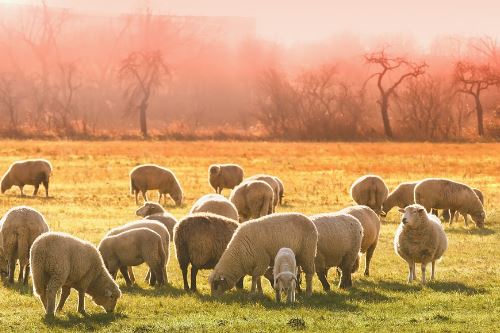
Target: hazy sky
(310,20)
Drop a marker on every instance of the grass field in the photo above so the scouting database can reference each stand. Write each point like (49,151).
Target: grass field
(91,194)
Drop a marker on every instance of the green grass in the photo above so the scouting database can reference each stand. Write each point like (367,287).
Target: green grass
(90,195)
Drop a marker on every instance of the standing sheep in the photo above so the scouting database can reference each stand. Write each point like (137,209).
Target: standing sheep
(200,239)
(450,215)
(154,211)
(255,244)
(371,229)
(339,243)
(439,193)
(252,199)
(285,274)
(153,177)
(28,172)
(215,204)
(402,196)
(221,176)
(20,227)
(420,238)
(370,191)
(272,181)
(59,260)
(133,248)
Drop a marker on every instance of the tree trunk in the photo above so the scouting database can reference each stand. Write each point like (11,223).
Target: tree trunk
(142,119)
(479,113)
(384,107)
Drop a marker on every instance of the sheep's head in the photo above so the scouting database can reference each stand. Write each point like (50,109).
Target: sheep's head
(219,284)
(285,281)
(478,218)
(6,184)
(214,170)
(413,215)
(149,208)
(108,296)
(177,197)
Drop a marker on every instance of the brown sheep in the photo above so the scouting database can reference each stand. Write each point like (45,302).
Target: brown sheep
(221,176)
(153,177)
(28,172)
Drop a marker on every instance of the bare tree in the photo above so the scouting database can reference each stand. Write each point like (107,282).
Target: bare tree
(9,100)
(472,79)
(388,65)
(62,103)
(145,72)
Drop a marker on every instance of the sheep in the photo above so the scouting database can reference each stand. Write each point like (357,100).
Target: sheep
(402,196)
(221,176)
(371,229)
(28,172)
(339,243)
(153,177)
(252,199)
(20,227)
(419,238)
(271,180)
(155,226)
(216,204)
(4,264)
(154,211)
(255,244)
(285,274)
(59,260)
(440,193)
(450,215)
(200,239)
(371,191)
(132,248)
(281,188)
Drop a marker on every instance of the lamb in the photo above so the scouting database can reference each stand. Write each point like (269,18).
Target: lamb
(28,172)
(271,180)
(449,216)
(402,196)
(371,229)
(20,227)
(200,239)
(255,244)
(132,248)
(370,191)
(252,199)
(221,176)
(216,204)
(154,211)
(285,274)
(153,177)
(281,192)
(155,226)
(440,193)
(59,260)
(420,238)
(339,244)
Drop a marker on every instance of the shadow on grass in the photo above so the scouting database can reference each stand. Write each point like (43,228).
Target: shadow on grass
(17,286)
(167,290)
(88,322)
(31,197)
(392,285)
(441,286)
(454,287)
(473,231)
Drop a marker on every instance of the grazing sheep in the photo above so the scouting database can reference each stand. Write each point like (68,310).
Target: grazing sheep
(154,211)
(281,187)
(371,229)
(153,177)
(420,238)
(59,260)
(370,191)
(285,274)
(221,176)
(200,239)
(252,199)
(271,180)
(402,196)
(20,227)
(339,242)
(215,204)
(440,193)
(155,226)
(28,172)
(255,244)
(132,248)
(450,215)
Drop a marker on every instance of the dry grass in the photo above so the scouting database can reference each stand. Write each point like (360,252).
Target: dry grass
(90,195)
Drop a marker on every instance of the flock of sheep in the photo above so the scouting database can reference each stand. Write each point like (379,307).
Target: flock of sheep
(235,237)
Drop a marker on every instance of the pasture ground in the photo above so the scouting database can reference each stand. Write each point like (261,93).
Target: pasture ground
(90,194)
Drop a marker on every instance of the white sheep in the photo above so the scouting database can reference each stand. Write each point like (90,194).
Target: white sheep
(252,199)
(153,177)
(419,238)
(285,274)
(221,176)
(450,215)
(371,191)
(402,196)
(215,204)
(154,211)
(255,244)
(28,172)
(271,181)
(20,227)
(281,187)
(59,260)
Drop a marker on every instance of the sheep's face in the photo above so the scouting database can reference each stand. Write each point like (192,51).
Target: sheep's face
(108,298)
(478,218)
(6,185)
(218,284)
(413,215)
(214,170)
(177,197)
(149,208)
(285,281)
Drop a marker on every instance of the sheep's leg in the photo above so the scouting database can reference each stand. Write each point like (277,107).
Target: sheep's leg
(290,293)
(136,193)
(465,220)
(423,272)
(26,274)
(368,259)
(123,270)
(184,269)
(144,195)
(160,279)
(433,269)
(20,276)
(345,279)
(46,185)
(239,284)
(12,268)
(152,277)
(64,296)
(52,287)
(278,294)
(159,197)
(254,284)
(410,272)
(309,278)
(259,286)
(35,191)
(131,275)
(148,275)
(81,302)
(324,282)
(194,272)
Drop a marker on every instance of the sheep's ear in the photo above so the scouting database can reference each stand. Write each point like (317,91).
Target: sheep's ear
(108,293)
(401,210)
